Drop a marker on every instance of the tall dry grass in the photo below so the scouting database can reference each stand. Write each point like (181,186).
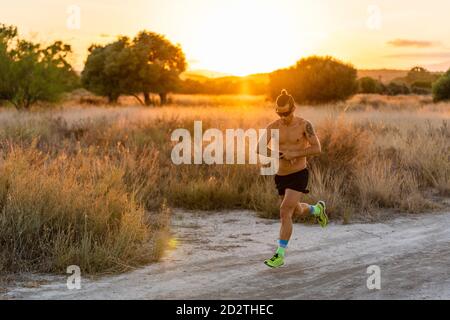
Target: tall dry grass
(58,210)
(93,185)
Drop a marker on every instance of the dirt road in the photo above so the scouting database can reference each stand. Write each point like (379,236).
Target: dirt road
(220,256)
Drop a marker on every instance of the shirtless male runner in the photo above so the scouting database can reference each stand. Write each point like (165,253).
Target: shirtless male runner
(297,140)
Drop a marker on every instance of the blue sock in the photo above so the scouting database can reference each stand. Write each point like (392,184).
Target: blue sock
(282,245)
(314,210)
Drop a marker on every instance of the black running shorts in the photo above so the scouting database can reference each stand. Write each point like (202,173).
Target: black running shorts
(297,181)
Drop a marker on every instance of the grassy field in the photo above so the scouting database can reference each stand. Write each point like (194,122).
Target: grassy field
(93,185)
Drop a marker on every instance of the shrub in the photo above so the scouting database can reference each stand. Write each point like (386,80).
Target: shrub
(30,73)
(60,211)
(370,85)
(315,79)
(441,88)
(394,88)
(343,145)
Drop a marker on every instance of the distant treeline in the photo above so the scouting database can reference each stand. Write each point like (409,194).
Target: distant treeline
(418,81)
(321,79)
(150,64)
(253,85)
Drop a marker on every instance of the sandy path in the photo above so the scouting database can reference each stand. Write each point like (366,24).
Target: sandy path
(219,256)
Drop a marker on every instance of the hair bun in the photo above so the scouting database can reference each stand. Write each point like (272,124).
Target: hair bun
(284,92)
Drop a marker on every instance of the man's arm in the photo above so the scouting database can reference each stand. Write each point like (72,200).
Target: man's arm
(314,144)
(266,138)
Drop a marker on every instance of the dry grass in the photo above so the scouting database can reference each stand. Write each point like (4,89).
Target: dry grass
(61,210)
(92,185)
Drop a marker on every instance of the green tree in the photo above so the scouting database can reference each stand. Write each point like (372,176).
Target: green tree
(148,63)
(30,72)
(316,80)
(441,88)
(159,64)
(108,69)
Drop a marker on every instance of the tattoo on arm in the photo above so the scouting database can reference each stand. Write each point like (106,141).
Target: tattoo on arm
(309,129)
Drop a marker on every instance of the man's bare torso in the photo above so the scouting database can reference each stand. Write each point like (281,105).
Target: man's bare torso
(292,138)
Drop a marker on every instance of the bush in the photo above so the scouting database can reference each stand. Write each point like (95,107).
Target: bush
(394,88)
(343,146)
(370,85)
(441,88)
(30,73)
(315,79)
(63,211)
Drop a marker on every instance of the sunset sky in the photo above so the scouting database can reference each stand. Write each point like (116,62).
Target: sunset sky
(250,36)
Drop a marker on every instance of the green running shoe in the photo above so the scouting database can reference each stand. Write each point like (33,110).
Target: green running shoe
(275,262)
(322,217)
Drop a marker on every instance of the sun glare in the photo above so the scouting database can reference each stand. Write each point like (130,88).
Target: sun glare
(243,37)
